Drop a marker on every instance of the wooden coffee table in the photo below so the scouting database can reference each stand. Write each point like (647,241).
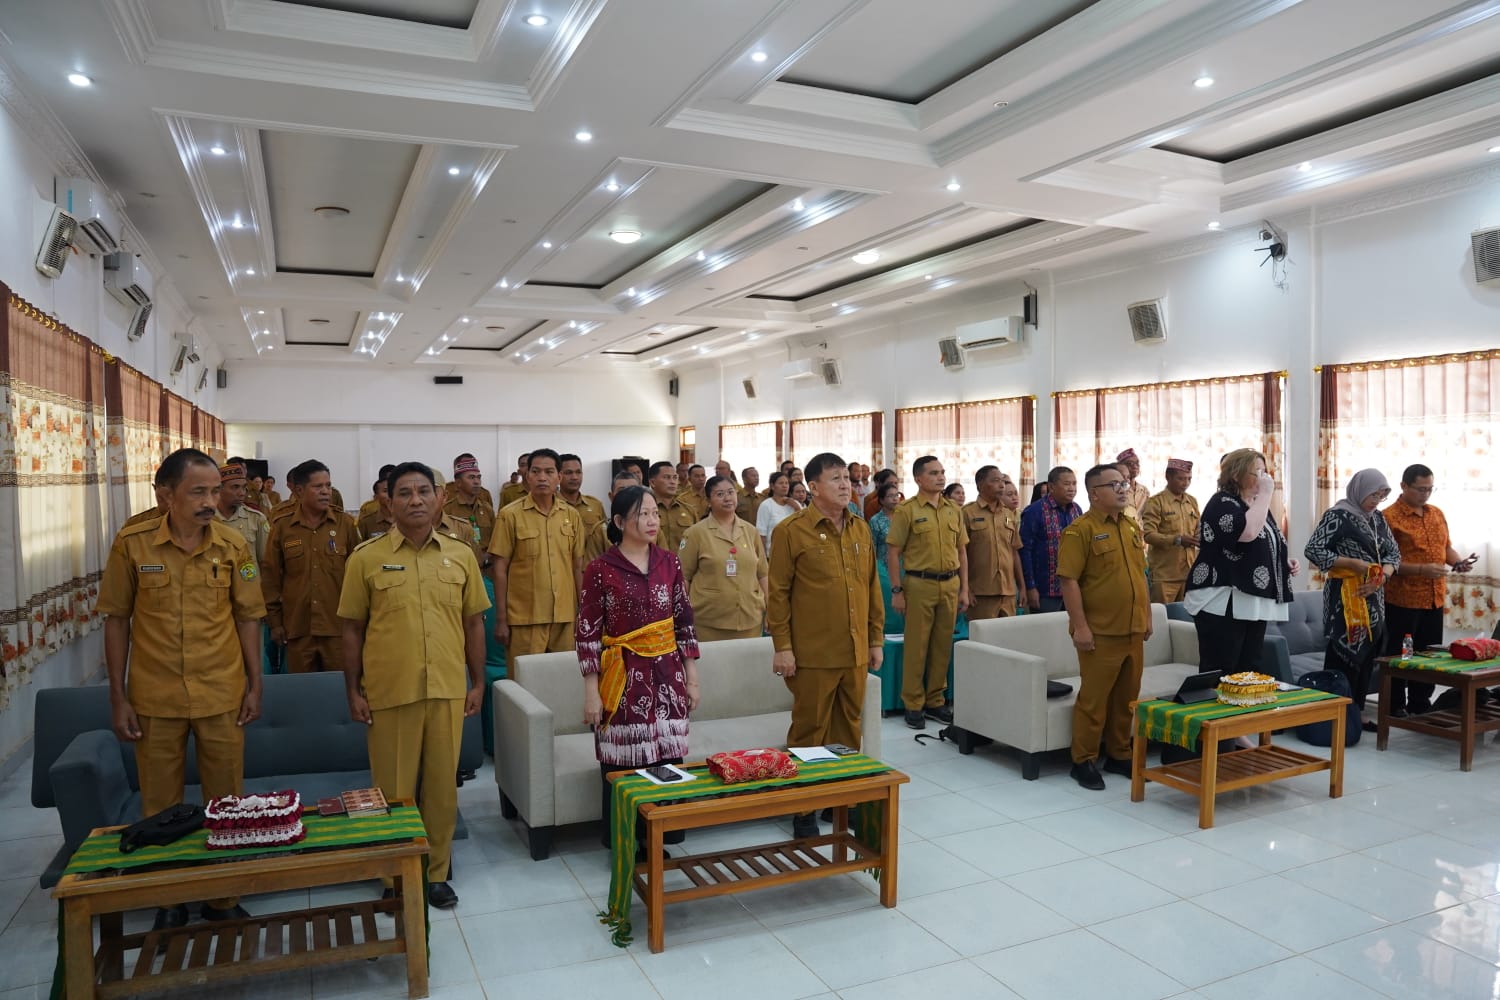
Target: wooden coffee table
(1462,724)
(200,954)
(720,873)
(1214,772)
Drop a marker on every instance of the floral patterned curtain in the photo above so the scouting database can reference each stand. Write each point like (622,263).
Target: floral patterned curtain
(1442,412)
(177,422)
(136,443)
(208,434)
(744,445)
(1075,434)
(855,438)
(53,495)
(925,430)
(968,436)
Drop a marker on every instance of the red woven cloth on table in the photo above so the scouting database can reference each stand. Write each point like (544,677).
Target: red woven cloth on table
(734,766)
(1474,649)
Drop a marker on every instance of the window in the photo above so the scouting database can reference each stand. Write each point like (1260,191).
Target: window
(968,436)
(745,445)
(855,438)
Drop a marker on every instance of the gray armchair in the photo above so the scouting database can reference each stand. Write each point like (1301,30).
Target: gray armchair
(1293,647)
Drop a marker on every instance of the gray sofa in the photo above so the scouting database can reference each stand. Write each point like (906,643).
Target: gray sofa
(304,739)
(1293,647)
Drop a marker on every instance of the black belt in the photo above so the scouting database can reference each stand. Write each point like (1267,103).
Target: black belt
(920,575)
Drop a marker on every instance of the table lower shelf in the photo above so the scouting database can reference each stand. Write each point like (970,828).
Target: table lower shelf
(1239,769)
(231,949)
(745,868)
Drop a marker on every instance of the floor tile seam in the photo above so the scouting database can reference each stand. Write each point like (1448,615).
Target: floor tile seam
(1470,897)
(1310,956)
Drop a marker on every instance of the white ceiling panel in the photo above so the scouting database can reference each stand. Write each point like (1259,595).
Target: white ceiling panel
(305,172)
(494,333)
(318,325)
(438,13)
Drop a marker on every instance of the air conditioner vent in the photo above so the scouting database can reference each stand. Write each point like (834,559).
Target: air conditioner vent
(952,354)
(748,384)
(1486,255)
(52,256)
(138,319)
(1148,321)
(830,371)
(86,203)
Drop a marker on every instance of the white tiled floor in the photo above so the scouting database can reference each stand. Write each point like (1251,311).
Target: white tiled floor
(1009,889)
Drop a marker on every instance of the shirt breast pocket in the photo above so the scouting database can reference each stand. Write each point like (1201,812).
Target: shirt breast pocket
(389,589)
(154,591)
(528,541)
(450,585)
(1105,551)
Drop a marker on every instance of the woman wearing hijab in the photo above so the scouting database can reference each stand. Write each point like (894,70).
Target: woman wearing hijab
(1353,545)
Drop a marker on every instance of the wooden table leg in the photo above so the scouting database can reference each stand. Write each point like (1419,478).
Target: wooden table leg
(414,926)
(78,957)
(1466,726)
(656,909)
(111,929)
(889,833)
(841,831)
(1265,738)
(1208,780)
(1137,765)
(1336,752)
(1383,710)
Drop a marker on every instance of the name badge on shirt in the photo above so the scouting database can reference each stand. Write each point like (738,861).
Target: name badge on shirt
(1102,537)
(386,566)
(731,567)
(151,569)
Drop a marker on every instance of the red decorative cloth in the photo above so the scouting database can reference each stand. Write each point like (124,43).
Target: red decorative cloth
(1474,649)
(735,766)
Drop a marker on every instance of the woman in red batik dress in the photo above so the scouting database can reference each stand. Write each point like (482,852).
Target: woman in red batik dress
(636,647)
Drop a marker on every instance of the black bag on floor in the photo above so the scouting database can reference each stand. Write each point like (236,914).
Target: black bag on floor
(1320,734)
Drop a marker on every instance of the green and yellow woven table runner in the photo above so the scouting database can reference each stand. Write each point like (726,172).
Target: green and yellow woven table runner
(1444,663)
(1180,725)
(101,852)
(630,792)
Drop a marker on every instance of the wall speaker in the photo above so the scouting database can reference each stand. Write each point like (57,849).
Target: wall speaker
(672,386)
(447,380)
(1148,321)
(1029,309)
(1486,243)
(221,377)
(830,372)
(748,384)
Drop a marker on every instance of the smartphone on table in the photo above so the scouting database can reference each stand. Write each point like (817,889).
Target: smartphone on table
(663,774)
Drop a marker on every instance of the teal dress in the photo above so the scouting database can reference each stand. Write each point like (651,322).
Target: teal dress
(880,527)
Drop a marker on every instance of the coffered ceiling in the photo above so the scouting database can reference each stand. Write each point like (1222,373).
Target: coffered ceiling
(581,183)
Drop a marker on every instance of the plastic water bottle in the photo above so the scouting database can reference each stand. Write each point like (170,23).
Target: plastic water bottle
(1406,647)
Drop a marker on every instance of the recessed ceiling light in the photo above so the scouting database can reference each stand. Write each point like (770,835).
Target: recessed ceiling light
(624,235)
(236,224)
(1203,82)
(463,319)
(866,257)
(330,211)
(1213,225)
(702,255)
(584,135)
(400,280)
(453,171)
(1002,104)
(270,347)
(953,186)
(504,283)
(612,186)
(835,305)
(217,150)
(546,244)
(1304,166)
(758,56)
(538,20)
(797,205)
(628,291)
(250,270)
(1493,149)
(260,312)
(926,277)
(79,80)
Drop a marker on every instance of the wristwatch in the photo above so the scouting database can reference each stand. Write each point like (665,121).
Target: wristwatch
(896,590)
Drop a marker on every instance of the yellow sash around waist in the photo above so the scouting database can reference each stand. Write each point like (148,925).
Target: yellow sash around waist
(1356,607)
(656,639)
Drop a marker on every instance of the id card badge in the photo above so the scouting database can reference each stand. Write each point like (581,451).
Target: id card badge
(731,566)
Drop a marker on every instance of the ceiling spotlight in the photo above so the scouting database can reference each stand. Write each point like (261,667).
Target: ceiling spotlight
(400,280)
(612,186)
(463,319)
(573,323)
(834,304)
(504,283)
(702,255)
(250,271)
(1493,149)
(538,20)
(546,244)
(584,135)
(1203,82)
(1304,167)
(79,80)
(926,277)
(628,291)
(453,171)
(626,236)
(866,257)
(260,312)
(797,205)
(953,186)
(236,224)
(217,150)
(1213,225)
(758,56)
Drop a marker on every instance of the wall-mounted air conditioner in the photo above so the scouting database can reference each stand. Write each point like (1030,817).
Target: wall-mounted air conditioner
(98,231)
(57,243)
(999,332)
(127,279)
(805,368)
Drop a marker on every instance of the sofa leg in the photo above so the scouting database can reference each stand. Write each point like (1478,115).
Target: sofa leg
(964,739)
(507,807)
(1031,766)
(539,839)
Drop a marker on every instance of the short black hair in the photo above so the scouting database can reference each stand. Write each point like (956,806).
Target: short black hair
(268,479)
(542,453)
(984,470)
(749,469)
(172,468)
(1415,472)
(235,460)
(714,482)
(569,457)
(385,470)
(406,469)
(785,462)
(1092,476)
(656,467)
(303,471)
(379,483)
(951,487)
(821,462)
(778,474)
(625,505)
(692,467)
(1055,474)
(921,463)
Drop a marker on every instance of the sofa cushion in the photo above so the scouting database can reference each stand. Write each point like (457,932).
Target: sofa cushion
(1304,627)
(1044,635)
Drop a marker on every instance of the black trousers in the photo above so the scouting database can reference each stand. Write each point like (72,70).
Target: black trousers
(1228,644)
(607,804)
(1425,625)
(1356,667)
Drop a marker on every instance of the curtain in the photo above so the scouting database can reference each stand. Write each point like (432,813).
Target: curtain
(744,445)
(1442,412)
(176,422)
(208,434)
(136,444)
(854,438)
(53,494)
(1075,430)
(968,436)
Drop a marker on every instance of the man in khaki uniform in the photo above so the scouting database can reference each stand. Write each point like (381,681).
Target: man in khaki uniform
(570,489)
(691,492)
(268,490)
(465,504)
(182,609)
(372,507)
(376,520)
(597,541)
(826,615)
(537,566)
(1137,495)
(411,609)
(927,556)
(749,503)
(676,516)
(251,524)
(1169,521)
(304,572)
(994,547)
(449,488)
(1101,570)
(518,486)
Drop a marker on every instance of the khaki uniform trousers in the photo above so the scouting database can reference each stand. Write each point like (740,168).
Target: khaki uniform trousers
(1167,591)
(992,606)
(827,705)
(551,637)
(315,653)
(931,610)
(414,755)
(161,761)
(1110,678)
(707,633)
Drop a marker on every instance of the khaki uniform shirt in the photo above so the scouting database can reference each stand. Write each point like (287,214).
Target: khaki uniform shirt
(140,517)
(748,505)
(824,602)
(478,516)
(676,518)
(696,502)
(253,527)
(370,506)
(511,493)
(280,510)
(376,523)
(337,498)
(596,544)
(1163,518)
(450,490)
(185,656)
(543,550)
(732,603)
(928,534)
(1135,501)
(589,508)
(413,603)
(1105,555)
(304,572)
(994,540)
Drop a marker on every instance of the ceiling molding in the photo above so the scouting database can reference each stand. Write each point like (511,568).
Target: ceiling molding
(809,42)
(741,125)
(180,130)
(253,165)
(851,109)
(276,19)
(276,125)
(132,23)
(438,242)
(1411,193)
(548,73)
(730,56)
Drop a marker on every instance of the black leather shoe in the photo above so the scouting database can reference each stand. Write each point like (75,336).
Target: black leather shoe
(1418,707)
(211,914)
(1114,766)
(441,895)
(942,713)
(805,825)
(1087,775)
(1370,727)
(167,919)
(916,720)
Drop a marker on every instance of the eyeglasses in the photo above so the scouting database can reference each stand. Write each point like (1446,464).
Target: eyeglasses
(1118,485)
(1422,491)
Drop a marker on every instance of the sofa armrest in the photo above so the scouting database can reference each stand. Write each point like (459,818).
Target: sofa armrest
(524,752)
(1001,693)
(1276,657)
(870,730)
(1184,636)
(89,785)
